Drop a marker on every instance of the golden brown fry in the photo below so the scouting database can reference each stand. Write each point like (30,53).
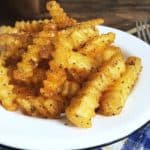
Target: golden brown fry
(82,107)
(12,45)
(8,45)
(109,51)
(103,55)
(41,107)
(90,23)
(54,106)
(23,90)
(45,53)
(31,58)
(114,98)
(59,16)
(64,45)
(80,36)
(8,30)
(39,76)
(70,88)
(31,26)
(31,103)
(57,83)
(54,82)
(96,47)
(7,97)
(86,24)
(26,107)
(97,44)
(65,57)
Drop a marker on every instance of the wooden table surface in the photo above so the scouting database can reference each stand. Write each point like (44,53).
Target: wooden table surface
(117,13)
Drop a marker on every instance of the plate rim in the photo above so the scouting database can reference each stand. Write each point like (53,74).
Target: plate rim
(97,146)
(113,141)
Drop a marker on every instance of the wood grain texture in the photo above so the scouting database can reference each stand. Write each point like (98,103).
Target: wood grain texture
(117,13)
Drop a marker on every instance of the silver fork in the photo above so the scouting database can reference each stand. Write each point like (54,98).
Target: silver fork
(143,29)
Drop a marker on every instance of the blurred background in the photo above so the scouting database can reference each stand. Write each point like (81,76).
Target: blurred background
(117,13)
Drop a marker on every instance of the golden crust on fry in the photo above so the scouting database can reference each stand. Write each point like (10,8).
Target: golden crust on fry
(13,45)
(65,57)
(114,98)
(59,16)
(90,23)
(76,38)
(97,47)
(70,88)
(8,30)
(54,82)
(30,103)
(31,26)
(110,51)
(7,97)
(31,58)
(41,107)
(82,107)
(64,54)
(26,107)
(97,44)
(39,76)
(85,24)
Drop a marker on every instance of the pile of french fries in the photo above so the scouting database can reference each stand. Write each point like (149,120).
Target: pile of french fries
(55,66)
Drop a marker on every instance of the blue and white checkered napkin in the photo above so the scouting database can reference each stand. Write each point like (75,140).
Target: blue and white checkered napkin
(139,140)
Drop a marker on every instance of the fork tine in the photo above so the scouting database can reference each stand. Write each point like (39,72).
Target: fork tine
(147,29)
(138,29)
(143,32)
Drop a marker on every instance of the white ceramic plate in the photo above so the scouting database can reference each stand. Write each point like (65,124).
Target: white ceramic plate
(25,132)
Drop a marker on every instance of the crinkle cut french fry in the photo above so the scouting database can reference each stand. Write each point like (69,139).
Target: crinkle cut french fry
(57,83)
(97,47)
(109,51)
(85,24)
(7,97)
(70,88)
(59,16)
(65,57)
(9,44)
(114,98)
(82,107)
(64,54)
(12,44)
(76,37)
(54,82)
(31,104)
(41,107)
(31,58)
(26,107)
(39,76)
(31,26)
(97,44)
(8,30)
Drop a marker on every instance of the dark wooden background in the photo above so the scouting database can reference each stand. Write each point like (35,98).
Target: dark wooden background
(117,13)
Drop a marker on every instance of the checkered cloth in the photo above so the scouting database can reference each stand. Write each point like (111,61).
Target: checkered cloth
(139,140)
